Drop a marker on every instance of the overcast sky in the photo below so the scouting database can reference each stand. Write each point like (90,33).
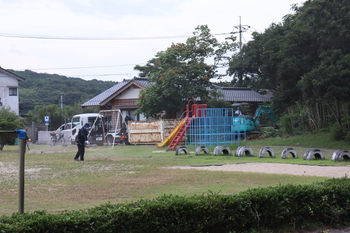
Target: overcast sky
(65,36)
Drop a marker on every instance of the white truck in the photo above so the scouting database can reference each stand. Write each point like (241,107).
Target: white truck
(106,127)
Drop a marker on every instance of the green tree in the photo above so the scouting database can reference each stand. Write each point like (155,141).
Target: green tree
(57,115)
(182,72)
(8,121)
(304,60)
(327,23)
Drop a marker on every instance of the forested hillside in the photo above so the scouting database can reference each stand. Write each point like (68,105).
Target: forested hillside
(45,89)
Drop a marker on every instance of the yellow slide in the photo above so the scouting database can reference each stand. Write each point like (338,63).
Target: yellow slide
(172,134)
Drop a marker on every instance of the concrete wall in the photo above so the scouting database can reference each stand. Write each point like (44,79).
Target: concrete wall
(44,137)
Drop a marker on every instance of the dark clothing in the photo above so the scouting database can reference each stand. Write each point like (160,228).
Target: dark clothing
(81,139)
(81,152)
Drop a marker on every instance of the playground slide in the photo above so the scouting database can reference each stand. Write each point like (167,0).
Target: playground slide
(168,140)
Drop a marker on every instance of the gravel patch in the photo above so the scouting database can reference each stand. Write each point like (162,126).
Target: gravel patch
(278,168)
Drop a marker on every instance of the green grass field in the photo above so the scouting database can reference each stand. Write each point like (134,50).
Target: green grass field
(55,182)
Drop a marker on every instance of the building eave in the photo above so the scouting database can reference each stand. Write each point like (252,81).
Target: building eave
(2,70)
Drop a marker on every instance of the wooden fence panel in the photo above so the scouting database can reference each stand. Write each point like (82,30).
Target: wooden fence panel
(150,132)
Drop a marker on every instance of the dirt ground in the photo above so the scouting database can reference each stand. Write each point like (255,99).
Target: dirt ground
(278,168)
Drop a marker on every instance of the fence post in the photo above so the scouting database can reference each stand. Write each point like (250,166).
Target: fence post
(22,136)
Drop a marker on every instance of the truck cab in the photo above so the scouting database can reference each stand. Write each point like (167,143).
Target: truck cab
(107,126)
(96,132)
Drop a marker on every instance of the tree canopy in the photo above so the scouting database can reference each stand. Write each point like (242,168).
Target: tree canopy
(182,72)
(58,115)
(8,121)
(304,60)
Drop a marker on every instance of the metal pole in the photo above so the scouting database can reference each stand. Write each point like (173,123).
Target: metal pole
(116,127)
(22,136)
(22,149)
(240,34)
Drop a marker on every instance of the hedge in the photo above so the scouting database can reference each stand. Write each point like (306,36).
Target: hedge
(277,209)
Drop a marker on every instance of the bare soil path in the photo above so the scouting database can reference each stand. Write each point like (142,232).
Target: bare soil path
(278,168)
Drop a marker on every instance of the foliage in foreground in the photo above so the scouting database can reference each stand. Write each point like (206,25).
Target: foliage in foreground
(281,208)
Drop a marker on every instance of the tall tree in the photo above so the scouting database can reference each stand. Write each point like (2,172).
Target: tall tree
(327,23)
(8,121)
(57,115)
(304,59)
(182,72)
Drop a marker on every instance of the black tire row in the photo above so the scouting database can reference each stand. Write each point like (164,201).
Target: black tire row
(248,151)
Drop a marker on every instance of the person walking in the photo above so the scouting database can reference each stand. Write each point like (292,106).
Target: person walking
(81,139)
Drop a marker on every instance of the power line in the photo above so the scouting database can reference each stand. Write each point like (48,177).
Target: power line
(90,75)
(86,67)
(43,37)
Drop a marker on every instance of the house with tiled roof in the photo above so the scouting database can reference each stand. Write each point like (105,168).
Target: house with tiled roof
(121,96)
(9,90)
(244,95)
(124,95)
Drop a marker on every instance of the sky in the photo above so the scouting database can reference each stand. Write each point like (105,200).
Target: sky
(105,39)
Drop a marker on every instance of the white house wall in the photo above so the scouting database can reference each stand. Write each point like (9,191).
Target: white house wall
(130,93)
(8,101)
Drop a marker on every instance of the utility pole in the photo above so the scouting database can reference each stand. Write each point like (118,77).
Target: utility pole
(61,102)
(241,28)
(61,106)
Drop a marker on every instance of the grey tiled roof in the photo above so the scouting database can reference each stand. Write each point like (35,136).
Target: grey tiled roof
(97,100)
(242,94)
(231,94)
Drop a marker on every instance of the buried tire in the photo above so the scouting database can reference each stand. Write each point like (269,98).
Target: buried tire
(268,150)
(222,150)
(313,154)
(339,155)
(180,149)
(306,154)
(287,151)
(244,151)
(201,148)
(109,140)
(237,151)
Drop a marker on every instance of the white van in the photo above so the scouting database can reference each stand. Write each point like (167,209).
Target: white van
(105,127)
(94,119)
(65,127)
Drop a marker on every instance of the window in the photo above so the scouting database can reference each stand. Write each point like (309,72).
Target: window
(13,91)
(75,121)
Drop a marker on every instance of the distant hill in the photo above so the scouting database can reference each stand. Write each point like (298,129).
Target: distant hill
(43,88)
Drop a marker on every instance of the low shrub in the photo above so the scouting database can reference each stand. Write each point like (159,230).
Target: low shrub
(287,207)
(270,132)
(338,133)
